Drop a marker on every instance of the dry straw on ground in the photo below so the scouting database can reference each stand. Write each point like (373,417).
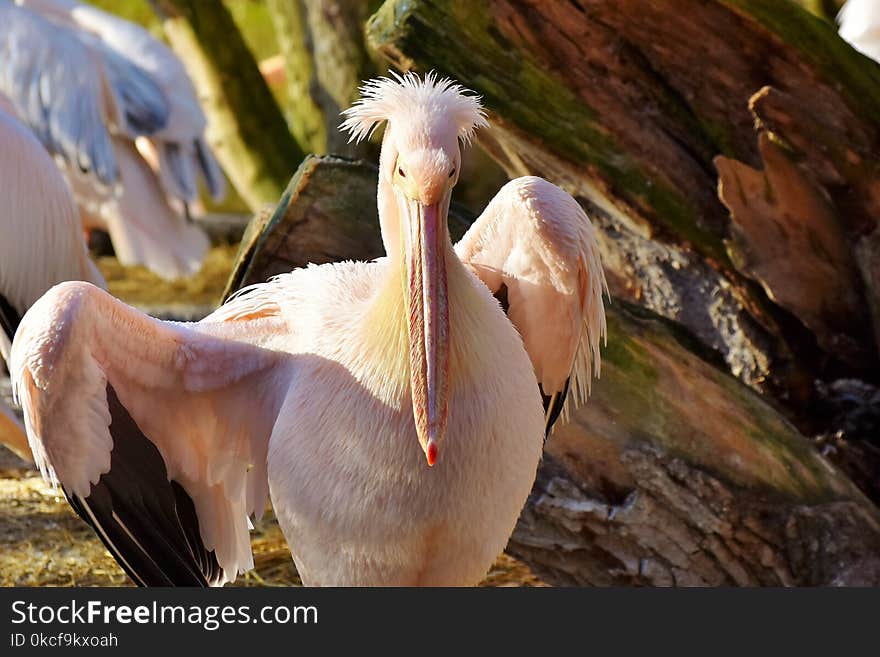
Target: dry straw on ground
(43,543)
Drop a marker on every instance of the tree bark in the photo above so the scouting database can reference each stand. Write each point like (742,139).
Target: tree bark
(827,9)
(673,473)
(305,116)
(631,105)
(341,63)
(326,59)
(245,126)
(315,222)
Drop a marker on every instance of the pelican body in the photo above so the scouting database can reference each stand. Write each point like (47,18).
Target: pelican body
(389,518)
(394,410)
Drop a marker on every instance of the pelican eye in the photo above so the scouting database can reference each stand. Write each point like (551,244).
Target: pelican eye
(452,173)
(400,171)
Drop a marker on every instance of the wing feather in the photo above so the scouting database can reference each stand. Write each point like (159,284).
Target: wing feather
(535,245)
(143,226)
(860,26)
(183,132)
(56,85)
(41,241)
(102,384)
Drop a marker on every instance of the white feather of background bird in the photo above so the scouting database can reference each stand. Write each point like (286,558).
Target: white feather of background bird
(860,25)
(118,110)
(41,245)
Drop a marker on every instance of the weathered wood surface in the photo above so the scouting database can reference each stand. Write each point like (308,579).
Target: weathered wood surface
(673,473)
(304,115)
(313,223)
(630,105)
(325,60)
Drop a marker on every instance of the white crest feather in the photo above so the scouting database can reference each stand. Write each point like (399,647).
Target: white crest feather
(405,97)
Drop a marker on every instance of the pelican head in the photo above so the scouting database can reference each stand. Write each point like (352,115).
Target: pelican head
(427,119)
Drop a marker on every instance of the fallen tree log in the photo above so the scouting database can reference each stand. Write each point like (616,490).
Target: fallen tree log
(673,473)
(631,105)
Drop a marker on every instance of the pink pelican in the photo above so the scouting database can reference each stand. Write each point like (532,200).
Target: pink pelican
(333,387)
(116,108)
(41,242)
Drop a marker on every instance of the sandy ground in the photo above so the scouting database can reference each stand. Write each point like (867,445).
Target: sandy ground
(44,543)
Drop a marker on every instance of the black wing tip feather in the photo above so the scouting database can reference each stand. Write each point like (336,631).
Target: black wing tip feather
(148,523)
(553,405)
(9,318)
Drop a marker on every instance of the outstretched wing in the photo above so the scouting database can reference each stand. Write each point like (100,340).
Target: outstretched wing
(156,431)
(536,250)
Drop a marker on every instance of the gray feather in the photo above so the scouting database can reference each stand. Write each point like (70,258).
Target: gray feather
(49,77)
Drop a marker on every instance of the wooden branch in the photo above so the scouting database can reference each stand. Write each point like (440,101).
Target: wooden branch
(305,116)
(245,126)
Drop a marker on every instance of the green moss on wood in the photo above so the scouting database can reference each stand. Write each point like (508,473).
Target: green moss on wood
(628,355)
(816,41)
(824,9)
(305,118)
(656,389)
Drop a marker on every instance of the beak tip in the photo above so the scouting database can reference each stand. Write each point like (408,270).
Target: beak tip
(431,452)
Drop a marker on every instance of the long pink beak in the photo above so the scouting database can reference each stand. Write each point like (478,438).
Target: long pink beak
(428,323)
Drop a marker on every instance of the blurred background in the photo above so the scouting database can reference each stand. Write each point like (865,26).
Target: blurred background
(727,150)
